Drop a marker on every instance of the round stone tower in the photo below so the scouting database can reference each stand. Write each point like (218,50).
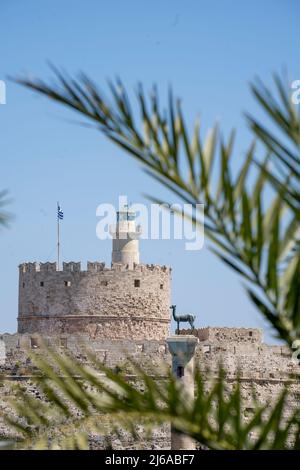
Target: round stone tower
(127,301)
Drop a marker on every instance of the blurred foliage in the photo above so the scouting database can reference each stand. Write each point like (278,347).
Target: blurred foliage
(253,233)
(283,142)
(75,401)
(252,223)
(4,216)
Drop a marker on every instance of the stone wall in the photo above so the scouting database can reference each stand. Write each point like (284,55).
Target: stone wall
(244,349)
(111,352)
(266,369)
(256,360)
(225,334)
(116,303)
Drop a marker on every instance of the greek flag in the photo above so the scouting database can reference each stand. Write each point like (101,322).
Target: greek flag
(60,214)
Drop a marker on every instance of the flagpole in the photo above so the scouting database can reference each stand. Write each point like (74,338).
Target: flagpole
(58,244)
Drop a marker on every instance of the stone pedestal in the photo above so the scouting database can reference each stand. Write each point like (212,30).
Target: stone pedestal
(182,349)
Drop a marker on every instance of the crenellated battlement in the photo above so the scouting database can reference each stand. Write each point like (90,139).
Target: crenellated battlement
(226,334)
(37,267)
(72,267)
(92,267)
(95,266)
(121,301)
(141,268)
(126,300)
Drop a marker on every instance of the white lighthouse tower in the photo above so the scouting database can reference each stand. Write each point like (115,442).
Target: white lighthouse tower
(126,235)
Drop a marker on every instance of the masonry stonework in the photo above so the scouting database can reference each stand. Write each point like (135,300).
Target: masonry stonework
(123,312)
(127,301)
(263,368)
(115,303)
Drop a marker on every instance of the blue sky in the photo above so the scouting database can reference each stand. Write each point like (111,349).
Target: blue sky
(208,50)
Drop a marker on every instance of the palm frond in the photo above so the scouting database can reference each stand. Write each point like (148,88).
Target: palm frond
(247,230)
(284,146)
(5,216)
(106,402)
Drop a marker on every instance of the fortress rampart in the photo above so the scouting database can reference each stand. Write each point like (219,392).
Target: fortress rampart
(255,360)
(265,369)
(123,312)
(226,334)
(112,303)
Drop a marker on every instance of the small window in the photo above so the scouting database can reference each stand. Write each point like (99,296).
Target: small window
(161,286)
(180,371)
(42,283)
(103,283)
(23,285)
(34,343)
(67,283)
(250,333)
(63,342)
(137,283)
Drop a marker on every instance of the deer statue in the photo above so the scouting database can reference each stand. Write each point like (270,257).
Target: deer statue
(182,318)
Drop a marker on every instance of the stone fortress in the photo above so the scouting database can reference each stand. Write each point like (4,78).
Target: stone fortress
(127,301)
(124,311)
